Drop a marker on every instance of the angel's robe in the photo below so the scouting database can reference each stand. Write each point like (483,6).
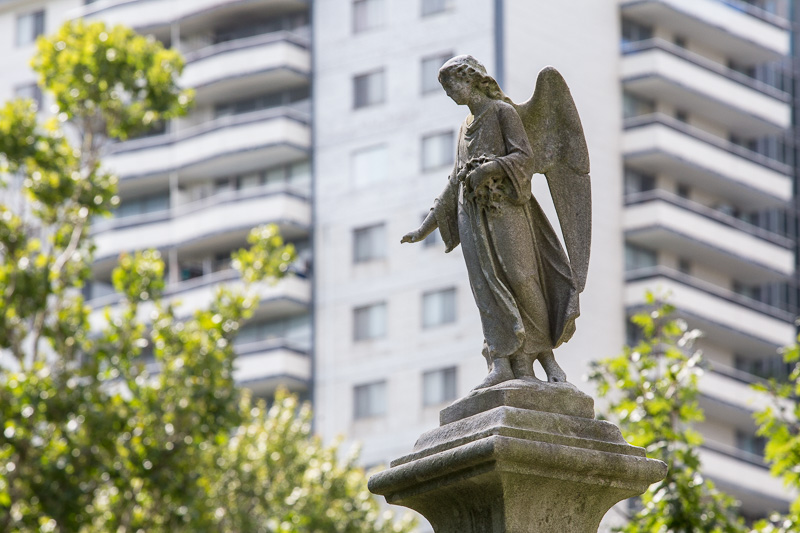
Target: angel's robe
(519,273)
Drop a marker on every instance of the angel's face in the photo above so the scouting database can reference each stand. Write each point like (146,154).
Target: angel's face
(457,88)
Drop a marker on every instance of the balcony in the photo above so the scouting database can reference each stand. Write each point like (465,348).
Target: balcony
(223,217)
(659,144)
(728,466)
(660,70)
(278,60)
(730,399)
(290,296)
(155,14)
(658,219)
(742,32)
(229,144)
(733,321)
(264,366)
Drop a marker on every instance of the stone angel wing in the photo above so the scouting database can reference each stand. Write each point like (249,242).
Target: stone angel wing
(559,150)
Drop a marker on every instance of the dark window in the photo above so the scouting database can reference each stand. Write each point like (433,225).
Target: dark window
(29,27)
(439,386)
(369,243)
(430,7)
(368,89)
(369,322)
(369,400)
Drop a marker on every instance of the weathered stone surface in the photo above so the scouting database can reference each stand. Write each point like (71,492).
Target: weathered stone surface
(562,397)
(526,286)
(512,469)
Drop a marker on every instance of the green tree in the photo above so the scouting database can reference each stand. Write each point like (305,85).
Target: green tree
(651,392)
(90,441)
(779,422)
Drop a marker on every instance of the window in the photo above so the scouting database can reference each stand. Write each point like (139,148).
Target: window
(431,7)
(367,14)
(430,71)
(637,257)
(143,205)
(438,307)
(683,190)
(249,181)
(437,150)
(633,32)
(434,238)
(294,332)
(369,400)
(636,182)
(750,442)
(29,27)
(369,322)
(370,165)
(634,106)
(31,91)
(439,386)
(684,266)
(368,89)
(369,243)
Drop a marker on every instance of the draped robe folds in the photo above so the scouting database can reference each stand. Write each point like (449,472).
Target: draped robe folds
(519,273)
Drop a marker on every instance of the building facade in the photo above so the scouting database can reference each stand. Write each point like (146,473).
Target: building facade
(327,119)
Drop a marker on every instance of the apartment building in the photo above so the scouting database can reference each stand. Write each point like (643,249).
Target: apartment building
(687,112)
(708,215)
(194,187)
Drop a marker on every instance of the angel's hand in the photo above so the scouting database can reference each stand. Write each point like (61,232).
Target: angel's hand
(481,175)
(411,236)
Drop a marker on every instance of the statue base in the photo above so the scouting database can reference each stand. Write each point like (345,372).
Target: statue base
(518,457)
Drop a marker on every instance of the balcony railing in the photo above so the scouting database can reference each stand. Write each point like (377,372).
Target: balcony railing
(778,16)
(295,38)
(104,225)
(735,453)
(705,63)
(709,213)
(708,138)
(293,112)
(661,271)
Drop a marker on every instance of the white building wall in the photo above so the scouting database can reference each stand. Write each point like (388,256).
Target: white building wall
(584,49)
(400,201)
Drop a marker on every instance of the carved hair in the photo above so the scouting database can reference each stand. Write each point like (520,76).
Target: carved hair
(470,69)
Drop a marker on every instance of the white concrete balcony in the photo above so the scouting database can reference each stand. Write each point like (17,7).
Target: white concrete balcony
(276,60)
(226,216)
(665,72)
(154,14)
(728,319)
(226,145)
(265,366)
(745,33)
(289,296)
(658,144)
(661,220)
(744,476)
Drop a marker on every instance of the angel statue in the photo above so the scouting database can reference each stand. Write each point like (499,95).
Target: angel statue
(525,285)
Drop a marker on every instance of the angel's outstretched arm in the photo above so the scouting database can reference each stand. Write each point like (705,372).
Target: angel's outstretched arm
(425,229)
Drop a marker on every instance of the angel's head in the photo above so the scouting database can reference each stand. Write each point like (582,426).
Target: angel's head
(461,75)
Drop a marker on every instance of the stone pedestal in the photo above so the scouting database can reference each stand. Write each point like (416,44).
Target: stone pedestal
(519,457)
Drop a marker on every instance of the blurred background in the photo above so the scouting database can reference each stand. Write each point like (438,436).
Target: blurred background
(327,119)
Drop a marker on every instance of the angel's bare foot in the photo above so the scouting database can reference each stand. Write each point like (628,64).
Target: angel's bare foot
(522,366)
(501,371)
(554,372)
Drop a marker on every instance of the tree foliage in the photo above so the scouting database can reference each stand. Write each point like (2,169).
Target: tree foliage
(651,392)
(135,424)
(779,422)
